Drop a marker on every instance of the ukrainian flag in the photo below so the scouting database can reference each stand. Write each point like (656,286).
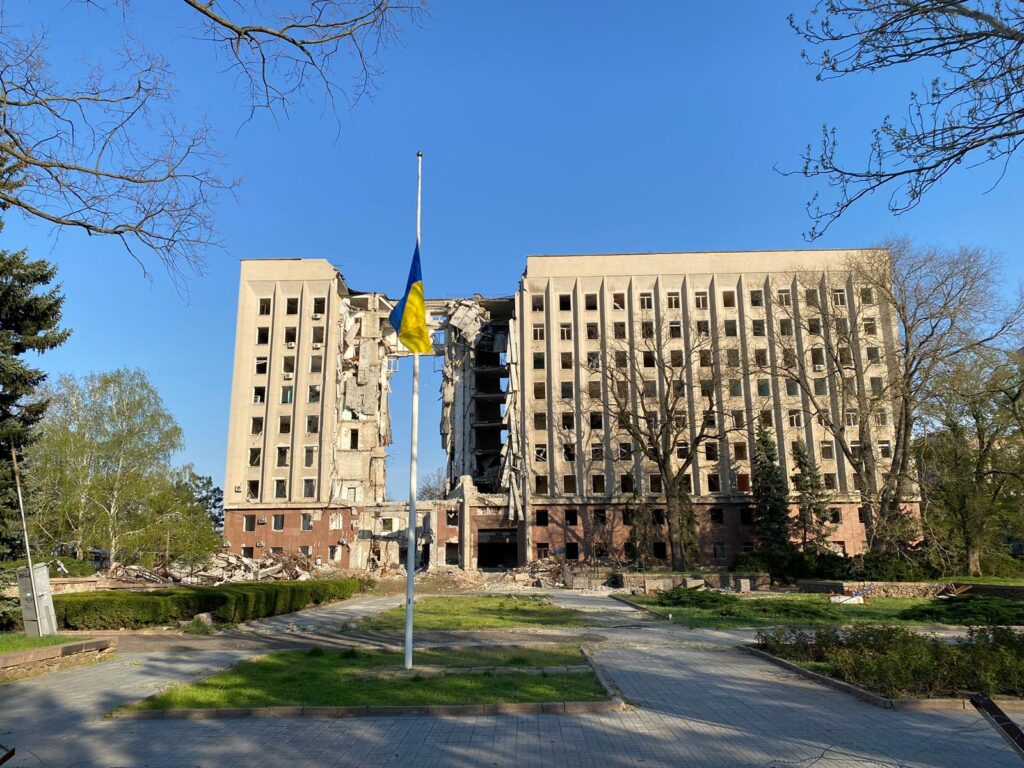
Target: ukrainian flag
(409,317)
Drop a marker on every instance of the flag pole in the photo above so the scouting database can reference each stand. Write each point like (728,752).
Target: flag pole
(410,552)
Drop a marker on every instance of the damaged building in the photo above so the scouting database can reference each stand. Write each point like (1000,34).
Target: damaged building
(536,465)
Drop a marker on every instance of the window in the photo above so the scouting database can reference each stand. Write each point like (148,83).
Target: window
(262,335)
(568,420)
(284,425)
(308,488)
(703,328)
(259,395)
(247,552)
(785,298)
(540,518)
(676,358)
(312,424)
(592,332)
(730,328)
(619,330)
(785,327)
(757,327)
(261,365)
(714,483)
(313,395)
(658,516)
(590,301)
(647,329)
(650,359)
(881,418)
(451,518)
(710,419)
(821,386)
(707,387)
(542,550)
(867,296)
(566,360)
(719,550)
(675,329)
(255,457)
(851,418)
(839,297)
(717,516)
(387,525)
(757,298)
(252,489)
(682,450)
(618,301)
(540,453)
(829,480)
(353,439)
(626,483)
(876,385)
(743,482)
(835,515)
(291,307)
(746,516)
(885,449)
(874,355)
(316,364)
(540,420)
(257,425)
(711,451)
(673,301)
(278,524)
(814,326)
(538,361)
(828,449)
(655,483)
(566,390)
(728,299)
(739,451)
(625,451)
(764,388)
(761,358)
(569,452)
(700,299)
(594,389)
(571,518)
(565,331)
(565,302)
(307,522)
(537,303)
(319,305)
(288,364)
(627,516)
(792,387)
(705,358)
(572,550)
(597,483)
(735,387)
(282,455)
(280,489)
(796,418)
(597,420)
(766,418)
(646,301)
(811,297)
(309,456)
(248,523)
(818,358)
(287,395)
(732,358)
(569,485)
(318,334)
(870,326)
(541,486)
(538,331)
(842,328)
(264,307)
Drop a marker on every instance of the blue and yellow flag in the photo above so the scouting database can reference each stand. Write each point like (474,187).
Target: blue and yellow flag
(409,317)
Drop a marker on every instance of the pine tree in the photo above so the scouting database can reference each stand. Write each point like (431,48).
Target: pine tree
(29,315)
(771,501)
(811,525)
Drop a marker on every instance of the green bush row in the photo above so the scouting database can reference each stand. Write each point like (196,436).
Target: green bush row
(897,662)
(228,603)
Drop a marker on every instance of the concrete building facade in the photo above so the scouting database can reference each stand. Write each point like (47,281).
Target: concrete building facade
(534,388)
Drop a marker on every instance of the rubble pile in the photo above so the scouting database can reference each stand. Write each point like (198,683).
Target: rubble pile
(223,567)
(539,573)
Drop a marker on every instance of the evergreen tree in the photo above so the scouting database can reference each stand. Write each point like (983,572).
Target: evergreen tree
(771,501)
(29,315)
(811,525)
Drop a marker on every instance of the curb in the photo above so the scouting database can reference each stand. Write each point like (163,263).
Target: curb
(449,710)
(609,685)
(16,659)
(907,705)
(639,607)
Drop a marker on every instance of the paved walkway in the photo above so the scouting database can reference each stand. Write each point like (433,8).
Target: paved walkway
(701,704)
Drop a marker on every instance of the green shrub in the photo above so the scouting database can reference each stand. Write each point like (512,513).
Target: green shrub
(1002,566)
(227,603)
(969,610)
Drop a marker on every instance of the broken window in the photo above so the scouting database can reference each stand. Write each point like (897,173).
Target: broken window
(618,301)
(291,307)
(288,364)
(594,389)
(735,387)
(565,302)
(309,456)
(284,425)
(811,297)
(248,523)
(572,550)
(291,335)
(625,451)
(255,455)
(716,516)
(537,302)
(305,550)
(676,358)
(353,439)
(318,334)
(282,456)
(597,483)
(627,516)
(829,481)
(262,335)
(703,328)
(568,420)
(842,327)
(766,418)
(885,449)
(673,300)
(718,550)
(312,424)
(565,331)
(569,452)
(707,387)
(881,419)
(280,489)
(540,420)
(566,360)
(626,483)
(655,483)
(261,365)
(308,488)
(877,385)
(264,307)
(597,451)
(257,425)
(619,330)
(714,483)
(650,359)
(728,299)
(739,451)
(867,296)
(538,361)
(314,393)
(761,358)
(319,305)
(540,518)
(592,332)
(571,518)
(596,420)
(287,395)
(646,301)
(874,355)
(870,327)
(307,522)
(785,327)
(705,358)
(711,451)
(675,329)
(594,361)
(451,518)
(316,364)
(818,358)
(542,550)
(730,328)
(590,301)
(814,326)
(259,395)
(739,419)
(796,418)
(756,299)
(650,388)
(540,453)
(647,329)
(252,490)
(541,485)
(539,390)
(792,387)
(757,327)
(820,387)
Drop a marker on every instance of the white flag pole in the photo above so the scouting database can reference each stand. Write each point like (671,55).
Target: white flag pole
(410,552)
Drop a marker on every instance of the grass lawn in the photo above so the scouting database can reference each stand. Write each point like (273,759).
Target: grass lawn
(486,612)
(316,678)
(18,641)
(723,611)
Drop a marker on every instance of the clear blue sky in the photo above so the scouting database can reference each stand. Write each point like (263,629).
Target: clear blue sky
(546,128)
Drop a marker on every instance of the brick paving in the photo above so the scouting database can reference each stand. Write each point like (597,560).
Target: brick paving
(701,704)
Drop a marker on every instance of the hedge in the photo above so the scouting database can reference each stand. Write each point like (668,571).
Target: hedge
(228,603)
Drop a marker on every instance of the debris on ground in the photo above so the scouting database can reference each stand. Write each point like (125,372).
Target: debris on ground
(224,567)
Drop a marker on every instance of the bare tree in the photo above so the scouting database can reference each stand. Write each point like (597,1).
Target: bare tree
(110,155)
(434,485)
(663,389)
(971,112)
